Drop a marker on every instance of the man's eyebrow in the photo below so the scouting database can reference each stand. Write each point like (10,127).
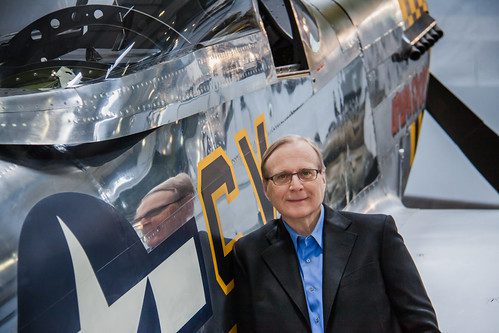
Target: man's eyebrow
(167,189)
(154,211)
(155,208)
(299,169)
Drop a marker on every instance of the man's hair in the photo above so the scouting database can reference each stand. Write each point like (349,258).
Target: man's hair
(290,139)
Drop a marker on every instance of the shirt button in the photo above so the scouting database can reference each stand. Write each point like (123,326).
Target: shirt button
(308,260)
(316,320)
(312,289)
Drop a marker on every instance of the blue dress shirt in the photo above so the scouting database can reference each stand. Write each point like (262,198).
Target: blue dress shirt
(309,251)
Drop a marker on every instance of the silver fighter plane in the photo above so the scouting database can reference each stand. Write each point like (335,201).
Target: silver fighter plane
(131,134)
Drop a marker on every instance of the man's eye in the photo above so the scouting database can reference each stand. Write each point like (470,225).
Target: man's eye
(306,173)
(281,176)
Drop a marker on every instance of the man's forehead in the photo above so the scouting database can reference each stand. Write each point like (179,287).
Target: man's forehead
(293,148)
(278,163)
(155,200)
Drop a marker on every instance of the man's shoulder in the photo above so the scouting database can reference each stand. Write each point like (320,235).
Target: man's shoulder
(364,221)
(368,228)
(257,238)
(352,216)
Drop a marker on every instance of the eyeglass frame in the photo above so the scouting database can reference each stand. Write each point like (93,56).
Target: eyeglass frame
(291,174)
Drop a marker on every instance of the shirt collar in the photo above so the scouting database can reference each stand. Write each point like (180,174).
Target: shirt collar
(316,233)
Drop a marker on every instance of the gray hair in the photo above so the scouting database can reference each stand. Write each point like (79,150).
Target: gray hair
(290,139)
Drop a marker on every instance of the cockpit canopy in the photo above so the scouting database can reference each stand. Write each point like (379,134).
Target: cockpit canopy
(53,44)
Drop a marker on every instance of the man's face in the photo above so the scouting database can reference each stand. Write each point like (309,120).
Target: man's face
(297,200)
(162,213)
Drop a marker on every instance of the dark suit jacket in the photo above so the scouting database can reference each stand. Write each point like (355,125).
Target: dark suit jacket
(370,283)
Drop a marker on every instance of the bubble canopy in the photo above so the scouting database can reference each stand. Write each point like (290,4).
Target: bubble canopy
(65,44)
(95,72)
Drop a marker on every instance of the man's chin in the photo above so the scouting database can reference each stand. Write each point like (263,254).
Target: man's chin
(296,215)
(152,241)
(154,238)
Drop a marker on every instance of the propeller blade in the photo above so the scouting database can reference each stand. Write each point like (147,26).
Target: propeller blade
(476,140)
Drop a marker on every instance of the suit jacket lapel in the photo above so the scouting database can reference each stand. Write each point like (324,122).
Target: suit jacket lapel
(338,244)
(281,259)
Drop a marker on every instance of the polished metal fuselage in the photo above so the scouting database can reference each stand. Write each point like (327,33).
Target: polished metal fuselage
(117,139)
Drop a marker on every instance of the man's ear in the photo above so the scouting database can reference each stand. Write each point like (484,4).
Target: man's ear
(323,174)
(265,183)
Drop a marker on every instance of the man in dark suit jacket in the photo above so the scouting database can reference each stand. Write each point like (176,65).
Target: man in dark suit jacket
(319,270)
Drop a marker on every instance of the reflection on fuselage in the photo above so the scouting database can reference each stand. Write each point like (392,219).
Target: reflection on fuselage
(164,209)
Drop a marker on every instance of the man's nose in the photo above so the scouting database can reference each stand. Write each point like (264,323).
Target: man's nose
(295,182)
(143,221)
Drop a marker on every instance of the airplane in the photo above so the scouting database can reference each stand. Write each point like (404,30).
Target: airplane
(131,135)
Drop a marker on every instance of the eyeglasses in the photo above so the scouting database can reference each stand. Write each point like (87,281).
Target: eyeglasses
(284,178)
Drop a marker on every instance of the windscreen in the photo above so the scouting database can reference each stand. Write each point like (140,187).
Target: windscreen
(56,44)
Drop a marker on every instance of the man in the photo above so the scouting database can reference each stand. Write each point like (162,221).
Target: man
(319,270)
(164,209)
